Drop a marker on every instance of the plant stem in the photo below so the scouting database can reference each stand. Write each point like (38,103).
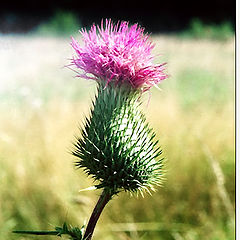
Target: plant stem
(38,232)
(102,201)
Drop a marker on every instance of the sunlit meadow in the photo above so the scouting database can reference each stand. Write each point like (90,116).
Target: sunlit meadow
(42,104)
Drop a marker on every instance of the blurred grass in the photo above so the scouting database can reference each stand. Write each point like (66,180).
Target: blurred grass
(61,23)
(199,30)
(42,104)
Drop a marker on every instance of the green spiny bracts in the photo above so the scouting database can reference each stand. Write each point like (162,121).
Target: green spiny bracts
(117,147)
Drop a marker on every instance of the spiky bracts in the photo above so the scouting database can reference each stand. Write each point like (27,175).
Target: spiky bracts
(117,147)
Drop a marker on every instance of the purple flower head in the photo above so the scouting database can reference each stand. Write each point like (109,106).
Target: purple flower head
(117,53)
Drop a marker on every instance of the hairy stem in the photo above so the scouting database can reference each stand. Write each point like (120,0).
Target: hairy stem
(102,201)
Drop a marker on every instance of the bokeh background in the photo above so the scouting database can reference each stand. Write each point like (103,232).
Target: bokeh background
(42,105)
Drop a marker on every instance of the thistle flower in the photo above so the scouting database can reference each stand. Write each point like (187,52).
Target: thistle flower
(117,147)
(117,53)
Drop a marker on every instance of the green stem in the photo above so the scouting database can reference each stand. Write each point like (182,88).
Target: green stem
(103,200)
(38,232)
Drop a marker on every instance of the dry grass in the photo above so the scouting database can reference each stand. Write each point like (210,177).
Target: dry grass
(41,105)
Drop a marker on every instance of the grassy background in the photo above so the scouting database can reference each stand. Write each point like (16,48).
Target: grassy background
(42,104)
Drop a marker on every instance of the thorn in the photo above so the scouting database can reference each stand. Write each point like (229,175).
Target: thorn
(88,189)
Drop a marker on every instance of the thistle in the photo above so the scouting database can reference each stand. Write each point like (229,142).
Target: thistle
(117,148)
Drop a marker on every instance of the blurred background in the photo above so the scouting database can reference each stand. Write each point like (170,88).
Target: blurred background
(42,104)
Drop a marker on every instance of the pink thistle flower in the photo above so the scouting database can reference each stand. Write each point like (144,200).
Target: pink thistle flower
(117,53)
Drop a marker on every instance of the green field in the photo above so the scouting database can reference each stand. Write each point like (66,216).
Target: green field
(42,105)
